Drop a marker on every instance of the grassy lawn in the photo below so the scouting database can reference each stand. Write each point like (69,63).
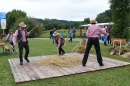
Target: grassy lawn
(46,34)
(38,47)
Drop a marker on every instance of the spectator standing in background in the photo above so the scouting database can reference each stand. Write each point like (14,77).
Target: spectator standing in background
(69,31)
(52,37)
(10,38)
(50,34)
(108,30)
(74,32)
(105,37)
(70,35)
(62,33)
(102,35)
(32,35)
(80,32)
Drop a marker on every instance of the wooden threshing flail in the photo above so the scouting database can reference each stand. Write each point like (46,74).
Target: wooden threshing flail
(81,47)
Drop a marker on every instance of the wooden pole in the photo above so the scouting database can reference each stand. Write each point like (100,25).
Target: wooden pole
(66,41)
(3,31)
(76,45)
(29,31)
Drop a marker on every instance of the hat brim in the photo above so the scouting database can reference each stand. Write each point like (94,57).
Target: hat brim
(55,34)
(22,26)
(93,21)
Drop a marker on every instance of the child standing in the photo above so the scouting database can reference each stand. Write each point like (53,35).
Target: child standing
(10,37)
(62,33)
(105,40)
(71,35)
(80,32)
(105,37)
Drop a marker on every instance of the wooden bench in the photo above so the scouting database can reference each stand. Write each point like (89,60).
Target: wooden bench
(118,42)
(7,49)
(2,45)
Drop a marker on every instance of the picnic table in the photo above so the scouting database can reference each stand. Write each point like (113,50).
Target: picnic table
(118,41)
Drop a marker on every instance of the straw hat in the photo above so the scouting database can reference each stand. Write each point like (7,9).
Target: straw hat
(22,24)
(93,21)
(55,34)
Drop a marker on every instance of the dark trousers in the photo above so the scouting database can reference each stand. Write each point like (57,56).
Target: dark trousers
(108,39)
(73,35)
(11,43)
(95,42)
(21,46)
(102,37)
(81,35)
(70,39)
(61,51)
(105,43)
(52,37)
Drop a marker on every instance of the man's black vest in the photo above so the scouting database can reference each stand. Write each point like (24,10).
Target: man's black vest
(20,35)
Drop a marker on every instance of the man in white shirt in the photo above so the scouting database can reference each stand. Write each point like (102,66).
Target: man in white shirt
(102,35)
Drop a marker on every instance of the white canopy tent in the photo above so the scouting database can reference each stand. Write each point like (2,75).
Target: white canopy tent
(100,24)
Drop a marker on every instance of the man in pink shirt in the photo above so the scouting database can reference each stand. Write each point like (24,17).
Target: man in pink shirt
(93,39)
(21,35)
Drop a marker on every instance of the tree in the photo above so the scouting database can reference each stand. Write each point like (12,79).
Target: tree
(48,26)
(87,20)
(67,26)
(120,12)
(107,19)
(57,24)
(100,18)
(13,16)
(30,24)
(104,17)
(46,21)
(108,14)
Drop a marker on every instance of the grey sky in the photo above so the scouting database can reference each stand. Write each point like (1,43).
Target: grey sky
(75,10)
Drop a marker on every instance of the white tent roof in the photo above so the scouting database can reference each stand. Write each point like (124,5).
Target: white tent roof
(105,24)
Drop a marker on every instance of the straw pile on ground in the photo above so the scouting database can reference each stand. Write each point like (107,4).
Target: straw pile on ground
(124,49)
(61,61)
(126,55)
(82,47)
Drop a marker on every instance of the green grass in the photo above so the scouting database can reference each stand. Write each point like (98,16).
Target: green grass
(46,34)
(38,47)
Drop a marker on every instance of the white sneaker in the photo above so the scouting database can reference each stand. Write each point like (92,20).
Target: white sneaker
(16,51)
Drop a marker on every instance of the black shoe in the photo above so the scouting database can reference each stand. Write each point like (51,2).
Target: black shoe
(101,64)
(27,60)
(63,53)
(83,65)
(21,63)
